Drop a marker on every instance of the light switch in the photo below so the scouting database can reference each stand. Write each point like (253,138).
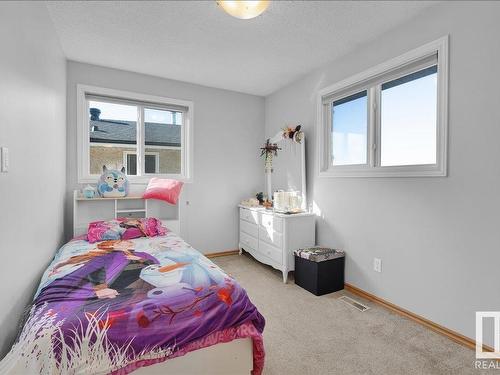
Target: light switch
(5,159)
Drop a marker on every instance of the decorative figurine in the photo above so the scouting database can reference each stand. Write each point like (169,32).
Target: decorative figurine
(89,192)
(260,197)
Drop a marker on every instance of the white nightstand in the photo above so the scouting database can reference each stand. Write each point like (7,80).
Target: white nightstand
(271,237)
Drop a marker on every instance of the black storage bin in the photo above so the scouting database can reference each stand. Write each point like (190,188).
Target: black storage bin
(319,270)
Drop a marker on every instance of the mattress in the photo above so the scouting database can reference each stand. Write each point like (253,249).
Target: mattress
(114,306)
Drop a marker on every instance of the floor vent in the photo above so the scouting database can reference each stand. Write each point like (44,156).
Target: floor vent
(354,303)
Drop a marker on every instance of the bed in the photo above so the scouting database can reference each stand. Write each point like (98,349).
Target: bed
(148,305)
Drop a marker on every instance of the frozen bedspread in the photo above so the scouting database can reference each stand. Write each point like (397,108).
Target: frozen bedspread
(114,306)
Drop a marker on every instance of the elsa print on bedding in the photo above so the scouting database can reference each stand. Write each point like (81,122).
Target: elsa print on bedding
(146,295)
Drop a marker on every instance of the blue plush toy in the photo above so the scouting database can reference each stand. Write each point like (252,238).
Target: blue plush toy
(112,183)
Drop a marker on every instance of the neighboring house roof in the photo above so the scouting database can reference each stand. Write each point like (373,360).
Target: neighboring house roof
(108,131)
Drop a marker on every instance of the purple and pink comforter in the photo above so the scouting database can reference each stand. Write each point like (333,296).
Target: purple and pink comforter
(116,305)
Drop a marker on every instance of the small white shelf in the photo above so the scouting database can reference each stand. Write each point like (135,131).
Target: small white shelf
(131,210)
(82,198)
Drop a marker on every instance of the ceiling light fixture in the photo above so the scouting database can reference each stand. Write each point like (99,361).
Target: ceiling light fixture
(244,9)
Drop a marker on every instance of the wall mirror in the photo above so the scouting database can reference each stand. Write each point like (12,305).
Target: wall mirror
(288,171)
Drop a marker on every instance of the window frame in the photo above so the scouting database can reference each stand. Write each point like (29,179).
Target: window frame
(371,80)
(140,100)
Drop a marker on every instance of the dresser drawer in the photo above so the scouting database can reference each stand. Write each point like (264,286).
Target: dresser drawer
(249,228)
(249,215)
(247,241)
(270,236)
(271,222)
(270,251)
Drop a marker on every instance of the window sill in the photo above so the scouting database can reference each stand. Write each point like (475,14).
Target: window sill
(402,171)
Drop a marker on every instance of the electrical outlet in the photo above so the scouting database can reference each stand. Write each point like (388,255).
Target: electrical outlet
(4,152)
(377,264)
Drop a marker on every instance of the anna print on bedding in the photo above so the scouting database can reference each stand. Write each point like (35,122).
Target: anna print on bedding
(106,306)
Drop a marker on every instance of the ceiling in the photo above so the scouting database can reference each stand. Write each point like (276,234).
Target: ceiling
(195,41)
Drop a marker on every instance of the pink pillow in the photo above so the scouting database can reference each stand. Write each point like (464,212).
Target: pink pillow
(163,189)
(104,230)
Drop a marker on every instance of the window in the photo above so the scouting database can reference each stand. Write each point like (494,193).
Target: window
(349,130)
(388,121)
(408,119)
(149,136)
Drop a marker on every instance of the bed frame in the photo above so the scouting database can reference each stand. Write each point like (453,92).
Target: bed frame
(235,357)
(232,358)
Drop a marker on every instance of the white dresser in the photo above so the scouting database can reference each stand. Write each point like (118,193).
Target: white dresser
(271,238)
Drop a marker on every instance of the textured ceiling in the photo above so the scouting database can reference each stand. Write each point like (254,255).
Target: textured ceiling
(195,41)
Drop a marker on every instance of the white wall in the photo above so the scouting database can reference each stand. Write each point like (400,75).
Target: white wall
(439,238)
(228,128)
(33,127)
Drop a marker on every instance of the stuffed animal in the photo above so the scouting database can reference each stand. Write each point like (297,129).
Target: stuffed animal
(112,183)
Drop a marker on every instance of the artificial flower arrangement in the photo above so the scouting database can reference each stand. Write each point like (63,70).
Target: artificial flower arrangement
(293,133)
(271,148)
(268,151)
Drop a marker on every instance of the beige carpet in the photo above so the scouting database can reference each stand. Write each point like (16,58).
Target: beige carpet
(306,334)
